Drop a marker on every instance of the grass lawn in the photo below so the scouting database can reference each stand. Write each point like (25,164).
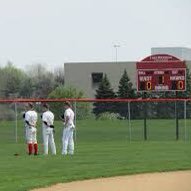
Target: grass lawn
(103,149)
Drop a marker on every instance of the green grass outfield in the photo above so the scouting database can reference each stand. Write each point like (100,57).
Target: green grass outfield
(103,149)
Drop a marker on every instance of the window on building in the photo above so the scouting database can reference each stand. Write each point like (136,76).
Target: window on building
(97,78)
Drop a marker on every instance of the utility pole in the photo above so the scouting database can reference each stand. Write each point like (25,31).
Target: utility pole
(116,46)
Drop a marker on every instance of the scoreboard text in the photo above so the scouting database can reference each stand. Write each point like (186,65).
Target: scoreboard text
(161,73)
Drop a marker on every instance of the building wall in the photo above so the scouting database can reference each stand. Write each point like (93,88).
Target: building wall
(79,74)
(179,52)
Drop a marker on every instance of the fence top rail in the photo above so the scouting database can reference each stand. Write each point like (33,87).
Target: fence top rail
(21,100)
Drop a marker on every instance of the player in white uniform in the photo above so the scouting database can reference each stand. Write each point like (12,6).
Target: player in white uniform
(68,131)
(48,129)
(30,124)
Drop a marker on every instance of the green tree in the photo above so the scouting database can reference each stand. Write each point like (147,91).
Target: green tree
(59,76)
(11,79)
(27,88)
(104,91)
(41,81)
(82,108)
(125,90)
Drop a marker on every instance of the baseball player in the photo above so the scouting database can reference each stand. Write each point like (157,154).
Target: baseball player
(67,138)
(48,129)
(30,124)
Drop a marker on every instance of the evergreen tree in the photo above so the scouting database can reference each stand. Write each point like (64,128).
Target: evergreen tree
(104,91)
(125,90)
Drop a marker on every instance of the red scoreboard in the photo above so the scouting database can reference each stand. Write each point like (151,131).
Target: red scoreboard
(161,72)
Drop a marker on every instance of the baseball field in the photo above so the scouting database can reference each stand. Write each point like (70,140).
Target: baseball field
(102,149)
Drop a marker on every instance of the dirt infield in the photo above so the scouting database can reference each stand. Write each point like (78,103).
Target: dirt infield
(167,181)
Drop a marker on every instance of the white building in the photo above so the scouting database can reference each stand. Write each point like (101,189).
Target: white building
(180,52)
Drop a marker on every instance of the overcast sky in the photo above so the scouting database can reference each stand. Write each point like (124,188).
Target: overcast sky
(52,32)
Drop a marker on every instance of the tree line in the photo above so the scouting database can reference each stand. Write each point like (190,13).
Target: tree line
(35,82)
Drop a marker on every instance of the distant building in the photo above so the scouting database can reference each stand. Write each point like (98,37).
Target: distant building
(86,76)
(180,52)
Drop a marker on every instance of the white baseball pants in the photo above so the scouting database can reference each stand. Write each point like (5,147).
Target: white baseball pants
(31,135)
(67,141)
(48,139)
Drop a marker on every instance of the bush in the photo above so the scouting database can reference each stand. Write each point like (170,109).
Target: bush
(108,116)
(83,109)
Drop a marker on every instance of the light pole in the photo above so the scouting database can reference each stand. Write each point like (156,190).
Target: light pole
(116,46)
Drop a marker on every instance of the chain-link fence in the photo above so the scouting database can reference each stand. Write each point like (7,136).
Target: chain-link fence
(130,120)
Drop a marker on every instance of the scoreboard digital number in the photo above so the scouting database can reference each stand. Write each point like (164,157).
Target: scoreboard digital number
(161,80)
(161,73)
